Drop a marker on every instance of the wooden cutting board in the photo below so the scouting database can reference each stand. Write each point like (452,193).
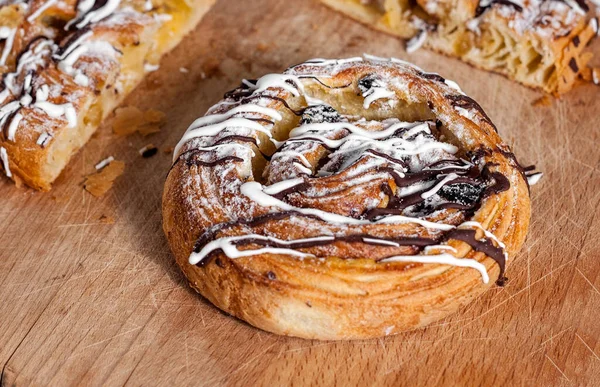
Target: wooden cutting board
(90,294)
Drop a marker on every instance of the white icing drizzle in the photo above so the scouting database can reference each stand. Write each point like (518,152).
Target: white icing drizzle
(145,148)
(453,85)
(8,34)
(162,17)
(4,157)
(576,7)
(77,49)
(277,81)
(7,110)
(534,178)
(12,128)
(486,232)
(214,129)
(42,93)
(444,259)
(238,120)
(594,25)
(373,135)
(381,242)
(473,25)
(86,16)
(41,10)
(294,154)
(29,61)
(438,186)
(212,124)
(149,68)
(54,111)
(367,138)
(328,62)
(227,246)
(256,192)
(378,91)
(104,162)
(43,139)
(465,112)
(416,41)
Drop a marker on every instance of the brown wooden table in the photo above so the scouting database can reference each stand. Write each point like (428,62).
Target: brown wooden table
(90,294)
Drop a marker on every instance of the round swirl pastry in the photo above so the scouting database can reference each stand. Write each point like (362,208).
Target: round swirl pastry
(344,199)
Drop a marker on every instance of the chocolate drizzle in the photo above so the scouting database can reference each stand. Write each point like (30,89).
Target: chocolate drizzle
(326,85)
(432,76)
(404,169)
(70,41)
(466,102)
(356,238)
(482,245)
(464,192)
(191,160)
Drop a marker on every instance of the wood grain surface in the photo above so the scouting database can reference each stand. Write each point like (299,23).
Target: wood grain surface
(90,294)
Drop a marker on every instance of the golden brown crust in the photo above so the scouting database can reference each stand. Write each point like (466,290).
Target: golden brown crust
(540,44)
(349,291)
(87,68)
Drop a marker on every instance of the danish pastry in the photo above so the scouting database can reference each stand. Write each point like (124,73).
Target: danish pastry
(344,199)
(538,43)
(66,64)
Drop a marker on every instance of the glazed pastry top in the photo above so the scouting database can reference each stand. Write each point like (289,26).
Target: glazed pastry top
(347,154)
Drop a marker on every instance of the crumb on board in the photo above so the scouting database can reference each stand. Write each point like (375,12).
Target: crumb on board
(130,119)
(168,149)
(263,47)
(545,100)
(104,162)
(148,151)
(100,182)
(211,67)
(106,219)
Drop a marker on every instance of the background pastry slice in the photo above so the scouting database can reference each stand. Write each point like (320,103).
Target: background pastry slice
(344,199)
(67,64)
(541,44)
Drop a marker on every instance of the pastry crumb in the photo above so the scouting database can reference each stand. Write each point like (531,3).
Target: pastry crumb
(100,182)
(106,219)
(210,68)
(148,151)
(545,100)
(130,119)
(104,162)
(169,149)
(146,130)
(263,47)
